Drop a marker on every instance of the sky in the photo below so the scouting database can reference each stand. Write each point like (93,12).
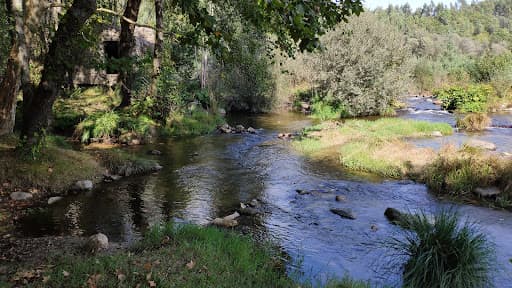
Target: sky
(414,3)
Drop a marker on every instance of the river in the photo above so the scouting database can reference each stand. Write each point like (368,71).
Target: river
(206,177)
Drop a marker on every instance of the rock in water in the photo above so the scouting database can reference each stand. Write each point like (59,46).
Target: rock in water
(53,200)
(344,213)
(240,128)
(249,211)
(84,185)
(341,198)
(21,196)
(155,152)
(302,192)
(96,243)
(487,192)
(436,134)
(393,215)
(228,221)
(475,143)
(251,130)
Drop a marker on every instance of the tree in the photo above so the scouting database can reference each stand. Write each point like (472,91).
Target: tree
(39,106)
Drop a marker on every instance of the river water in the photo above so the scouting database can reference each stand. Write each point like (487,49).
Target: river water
(206,177)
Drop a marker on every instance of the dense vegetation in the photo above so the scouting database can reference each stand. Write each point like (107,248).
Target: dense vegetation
(459,53)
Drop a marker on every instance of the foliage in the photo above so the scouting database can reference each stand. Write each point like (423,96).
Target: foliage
(474,122)
(364,68)
(195,123)
(324,111)
(443,253)
(472,98)
(460,172)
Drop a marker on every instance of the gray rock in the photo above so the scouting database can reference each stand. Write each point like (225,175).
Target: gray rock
(240,128)
(84,185)
(436,134)
(53,200)
(251,130)
(21,196)
(341,198)
(155,152)
(96,243)
(225,128)
(302,192)
(254,203)
(475,143)
(487,192)
(221,111)
(157,167)
(393,215)
(110,178)
(249,211)
(344,213)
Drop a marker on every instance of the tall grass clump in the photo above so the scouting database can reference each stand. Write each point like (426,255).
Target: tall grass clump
(474,122)
(444,253)
(324,111)
(195,123)
(460,172)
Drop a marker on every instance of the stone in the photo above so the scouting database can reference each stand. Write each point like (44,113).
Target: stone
(254,203)
(135,142)
(344,213)
(155,152)
(221,111)
(487,192)
(302,192)
(341,198)
(251,130)
(249,211)
(156,167)
(21,196)
(393,215)
(240,128)
(227,221)
(109,177)
(436,134)
(96,243)
(53,200)
(475,143)
(225,128)
(84,185)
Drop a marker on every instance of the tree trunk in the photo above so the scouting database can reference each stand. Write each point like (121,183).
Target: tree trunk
(9,88)
(39,108)
(126,45)
(159,45)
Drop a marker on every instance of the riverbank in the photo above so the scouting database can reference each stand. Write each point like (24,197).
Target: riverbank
(168,256)
(385,147)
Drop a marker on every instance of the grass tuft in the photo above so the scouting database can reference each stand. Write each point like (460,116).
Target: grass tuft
(474,122)
(445,253)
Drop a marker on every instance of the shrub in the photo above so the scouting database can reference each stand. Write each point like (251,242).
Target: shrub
(474,122)
(324,111)
(198,122)
(444,254)
(472,98)
(364,67)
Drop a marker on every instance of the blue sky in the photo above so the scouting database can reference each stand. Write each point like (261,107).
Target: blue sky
(414,3)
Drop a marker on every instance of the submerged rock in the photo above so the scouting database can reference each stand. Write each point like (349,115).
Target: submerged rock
(393,215)
(344,213)
(96,243)
(487,192)
(302,192)
(475,143)
(83,185)
(21,196)
(341,198)
(154,152)
(53,200)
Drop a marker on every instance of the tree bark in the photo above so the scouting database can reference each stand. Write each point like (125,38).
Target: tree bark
(126,45)
(159,45)
(38,110)
(9,88)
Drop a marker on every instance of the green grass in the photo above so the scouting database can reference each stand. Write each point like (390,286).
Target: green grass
(445,253)
(323,111)
(195,123)
(376,147)
(179,256)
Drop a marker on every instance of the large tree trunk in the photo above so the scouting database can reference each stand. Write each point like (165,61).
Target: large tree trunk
(9,88)
(126,45)
(159,45)
(38,110)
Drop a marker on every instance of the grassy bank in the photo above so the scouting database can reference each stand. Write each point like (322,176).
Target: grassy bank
(376,147)
(173,256)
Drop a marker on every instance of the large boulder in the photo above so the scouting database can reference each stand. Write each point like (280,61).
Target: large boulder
(475,143)
(21,196)
(96,242)
(394,216)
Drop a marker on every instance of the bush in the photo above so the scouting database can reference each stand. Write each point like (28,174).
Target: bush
(472,98)
(324,111)
(474,122)
(198,122)
(442,253)
(364,67)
